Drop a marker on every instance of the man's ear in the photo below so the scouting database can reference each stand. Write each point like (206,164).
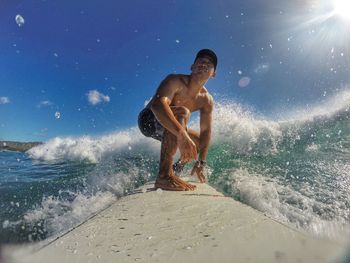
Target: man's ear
(214,74)
(192,67)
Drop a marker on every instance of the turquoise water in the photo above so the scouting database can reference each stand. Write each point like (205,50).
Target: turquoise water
(40,198)
(295,170)
(24,183)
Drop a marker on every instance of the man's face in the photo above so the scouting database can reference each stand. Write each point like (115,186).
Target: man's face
(203,66)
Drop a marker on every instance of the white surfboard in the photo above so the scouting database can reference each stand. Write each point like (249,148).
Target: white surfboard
(199,226)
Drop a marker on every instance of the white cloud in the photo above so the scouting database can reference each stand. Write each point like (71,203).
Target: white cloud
(96,97)
(44,103)
(4,100)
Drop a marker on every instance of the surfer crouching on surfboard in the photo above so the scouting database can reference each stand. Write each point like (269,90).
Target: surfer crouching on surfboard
(165,118)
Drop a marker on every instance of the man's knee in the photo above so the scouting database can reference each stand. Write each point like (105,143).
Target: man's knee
(181,112)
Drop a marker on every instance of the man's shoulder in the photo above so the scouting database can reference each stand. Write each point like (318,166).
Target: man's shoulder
(206,94)
(177,77)
(178,80)
(170,80)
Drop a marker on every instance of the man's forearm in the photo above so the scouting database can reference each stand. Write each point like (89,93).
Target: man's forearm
(166,118)
(204,144)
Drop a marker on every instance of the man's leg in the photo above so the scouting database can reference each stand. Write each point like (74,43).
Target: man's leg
(166,179)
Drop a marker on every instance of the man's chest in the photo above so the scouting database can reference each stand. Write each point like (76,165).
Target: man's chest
(193,103)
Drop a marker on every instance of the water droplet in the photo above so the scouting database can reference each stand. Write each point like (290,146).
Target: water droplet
(19,20)
(57,115)
(5,224)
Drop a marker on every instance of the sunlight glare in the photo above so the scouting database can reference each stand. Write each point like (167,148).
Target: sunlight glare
(342,8)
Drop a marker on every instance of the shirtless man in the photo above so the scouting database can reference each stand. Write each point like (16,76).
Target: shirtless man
(165,118)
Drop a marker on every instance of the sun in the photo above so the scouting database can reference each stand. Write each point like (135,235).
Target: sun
(342,8)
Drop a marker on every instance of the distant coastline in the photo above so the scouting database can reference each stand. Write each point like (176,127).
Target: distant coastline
(17,146)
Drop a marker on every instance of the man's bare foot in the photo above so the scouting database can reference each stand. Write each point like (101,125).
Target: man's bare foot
(173,183)
(182,182)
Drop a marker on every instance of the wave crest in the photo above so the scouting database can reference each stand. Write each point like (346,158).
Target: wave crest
(245,133)
(92,149)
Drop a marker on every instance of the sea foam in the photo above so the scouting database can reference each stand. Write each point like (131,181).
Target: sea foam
(93,149)
(300,209)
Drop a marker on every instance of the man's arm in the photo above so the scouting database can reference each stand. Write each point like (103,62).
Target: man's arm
(204,138)
(161,105)
(161,109)
(205,128)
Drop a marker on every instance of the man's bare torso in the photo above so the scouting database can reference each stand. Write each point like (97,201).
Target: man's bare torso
(183,96)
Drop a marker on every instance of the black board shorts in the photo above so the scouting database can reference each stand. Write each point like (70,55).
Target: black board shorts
(149,125)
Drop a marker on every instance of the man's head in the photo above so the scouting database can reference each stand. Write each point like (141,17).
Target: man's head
(204,64)
(208,54)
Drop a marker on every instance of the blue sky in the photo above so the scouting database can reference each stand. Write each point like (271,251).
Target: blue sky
(289,55)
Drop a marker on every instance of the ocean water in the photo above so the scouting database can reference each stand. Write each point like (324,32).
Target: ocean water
(295,169)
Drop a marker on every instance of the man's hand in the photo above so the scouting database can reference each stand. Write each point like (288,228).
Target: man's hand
(187,147)
(199,171)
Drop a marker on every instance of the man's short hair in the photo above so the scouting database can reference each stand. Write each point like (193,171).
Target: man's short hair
(208,54)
